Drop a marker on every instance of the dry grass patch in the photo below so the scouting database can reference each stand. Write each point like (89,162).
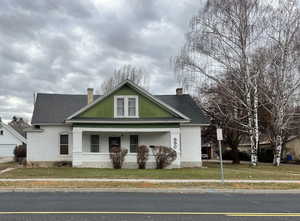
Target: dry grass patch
(145,185)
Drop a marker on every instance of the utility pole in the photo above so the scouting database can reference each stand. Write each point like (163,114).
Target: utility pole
(220,138)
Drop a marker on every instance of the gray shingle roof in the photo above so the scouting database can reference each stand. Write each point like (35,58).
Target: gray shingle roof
(55,108)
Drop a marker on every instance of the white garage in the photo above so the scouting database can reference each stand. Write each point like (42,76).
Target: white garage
(9,139)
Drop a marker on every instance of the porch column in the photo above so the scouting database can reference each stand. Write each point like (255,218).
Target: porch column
(176,145)
(77,146)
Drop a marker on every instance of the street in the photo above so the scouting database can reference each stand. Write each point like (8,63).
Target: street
(75,206)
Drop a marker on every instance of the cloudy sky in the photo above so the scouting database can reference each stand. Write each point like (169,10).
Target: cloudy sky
(65,46)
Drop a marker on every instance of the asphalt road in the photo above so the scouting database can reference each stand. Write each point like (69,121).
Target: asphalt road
(75,206)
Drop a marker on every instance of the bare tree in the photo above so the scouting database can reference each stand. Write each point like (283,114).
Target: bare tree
(224,112)
(281,78)
(126,72)
(223,37)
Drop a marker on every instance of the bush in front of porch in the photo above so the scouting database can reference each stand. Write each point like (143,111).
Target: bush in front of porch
(117,156)
(142,156)
(164,156)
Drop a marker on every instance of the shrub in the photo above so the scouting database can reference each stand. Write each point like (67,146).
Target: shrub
(62,164)
(142,156)
(228,155)
(117,156)
(266,156)
(20,153)
(164,156)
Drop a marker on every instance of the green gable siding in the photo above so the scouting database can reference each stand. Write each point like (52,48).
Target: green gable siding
(105,108)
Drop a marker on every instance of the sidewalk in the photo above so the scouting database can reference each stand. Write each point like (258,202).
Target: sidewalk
(147,180)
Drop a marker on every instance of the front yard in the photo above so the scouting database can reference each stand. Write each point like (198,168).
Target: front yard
(209,171)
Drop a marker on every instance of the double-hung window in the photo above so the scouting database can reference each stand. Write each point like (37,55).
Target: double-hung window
(134,142)
(120,106)
(126,106)
(95,143)
(131,106)
(64,144)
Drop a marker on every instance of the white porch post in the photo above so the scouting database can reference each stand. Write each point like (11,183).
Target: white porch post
(176,145)
(77,146)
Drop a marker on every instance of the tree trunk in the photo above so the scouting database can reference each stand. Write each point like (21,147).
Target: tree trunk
(278,149)
(256,129)
(235,155)
(253,150)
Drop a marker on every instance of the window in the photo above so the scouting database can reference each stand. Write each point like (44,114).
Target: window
(64,144)
(120,107)
(132,106)
(126,106)
(134,142)
(1,132)
(95,143)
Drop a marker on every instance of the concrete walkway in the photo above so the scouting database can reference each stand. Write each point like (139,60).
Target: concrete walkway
(146,180)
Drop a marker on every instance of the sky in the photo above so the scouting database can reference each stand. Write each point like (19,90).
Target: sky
(66,46)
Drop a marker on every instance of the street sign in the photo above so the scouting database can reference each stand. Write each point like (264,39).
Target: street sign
(219,134)
(220,138)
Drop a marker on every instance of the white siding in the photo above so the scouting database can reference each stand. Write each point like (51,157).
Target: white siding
(155,138)
(8,142)
(191,146)
(44,146)
(101,159)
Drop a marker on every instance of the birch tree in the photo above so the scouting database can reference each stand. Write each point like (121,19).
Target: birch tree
(280,80)
(222,39)
(224,114)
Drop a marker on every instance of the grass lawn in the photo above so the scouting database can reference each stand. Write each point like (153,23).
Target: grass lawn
(209,171)
(7,165)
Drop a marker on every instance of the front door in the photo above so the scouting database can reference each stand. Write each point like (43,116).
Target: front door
(114,141)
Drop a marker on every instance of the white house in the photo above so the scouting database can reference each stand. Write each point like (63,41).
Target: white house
(9,139)
(83,128)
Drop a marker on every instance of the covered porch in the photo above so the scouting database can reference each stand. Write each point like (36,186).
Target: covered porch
(91,145)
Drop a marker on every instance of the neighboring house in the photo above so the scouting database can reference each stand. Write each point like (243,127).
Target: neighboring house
(9,139)
(83,128)
(292,148)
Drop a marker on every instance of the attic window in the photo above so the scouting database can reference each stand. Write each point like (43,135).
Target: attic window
(126,106)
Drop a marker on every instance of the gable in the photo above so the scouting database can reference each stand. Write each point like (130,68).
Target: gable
(10,137)
(147,108)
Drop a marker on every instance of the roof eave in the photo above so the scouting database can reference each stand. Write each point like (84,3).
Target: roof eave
(126,122)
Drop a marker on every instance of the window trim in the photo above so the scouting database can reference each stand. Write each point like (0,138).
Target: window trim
(95,144)
(126,97)
(138,141)
(68,145)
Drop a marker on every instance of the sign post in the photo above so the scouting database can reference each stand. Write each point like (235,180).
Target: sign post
(220,138)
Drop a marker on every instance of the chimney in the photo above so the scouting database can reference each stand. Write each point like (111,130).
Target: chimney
(90,95)
(179,91)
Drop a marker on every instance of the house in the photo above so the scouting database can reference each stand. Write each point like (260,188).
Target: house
(83,128)
(292,148)
(9,139)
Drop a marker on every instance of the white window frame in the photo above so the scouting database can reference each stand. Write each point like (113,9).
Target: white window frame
(59,141)
(126,106)
(138,137)
(90,151)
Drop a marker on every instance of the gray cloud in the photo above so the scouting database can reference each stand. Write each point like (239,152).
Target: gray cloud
(65,46)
